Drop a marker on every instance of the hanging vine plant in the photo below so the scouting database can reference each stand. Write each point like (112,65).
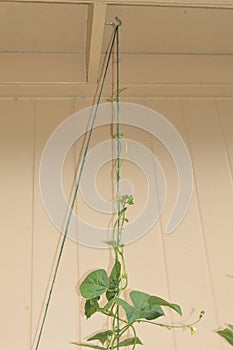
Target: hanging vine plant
(103,292)
(99,286)
(144,308)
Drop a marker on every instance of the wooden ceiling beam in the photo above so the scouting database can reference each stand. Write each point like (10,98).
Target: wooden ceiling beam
(218,4)
(95,32)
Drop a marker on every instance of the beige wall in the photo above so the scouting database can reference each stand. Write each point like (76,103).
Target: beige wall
(176,60)
(190,267)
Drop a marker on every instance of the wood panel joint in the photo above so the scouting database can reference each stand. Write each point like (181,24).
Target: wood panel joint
(95,32)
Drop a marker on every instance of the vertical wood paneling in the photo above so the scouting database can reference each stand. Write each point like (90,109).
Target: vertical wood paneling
(214,197)
(16,158)
(183,249)
(225,112)
(61,323)
(190,266)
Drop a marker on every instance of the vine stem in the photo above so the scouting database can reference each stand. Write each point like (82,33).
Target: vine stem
(172,326)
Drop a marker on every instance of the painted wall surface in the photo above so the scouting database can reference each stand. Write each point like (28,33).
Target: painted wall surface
(192,267)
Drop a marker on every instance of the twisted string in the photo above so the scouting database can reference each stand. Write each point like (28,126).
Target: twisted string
(75,193)
(118,162)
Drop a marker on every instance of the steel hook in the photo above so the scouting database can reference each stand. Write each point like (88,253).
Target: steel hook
(117,22)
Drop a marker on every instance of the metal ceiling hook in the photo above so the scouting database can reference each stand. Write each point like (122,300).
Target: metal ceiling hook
(117,22)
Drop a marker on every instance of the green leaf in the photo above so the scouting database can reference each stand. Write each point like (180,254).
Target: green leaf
(230,326)
(114,279)
(130,200)
(126,199)
(142,305)
(90,346)
(129,341)
(141,308)
(153,300)
(91,306)
(95,284)
(102,336)
(227,334)
(131,313)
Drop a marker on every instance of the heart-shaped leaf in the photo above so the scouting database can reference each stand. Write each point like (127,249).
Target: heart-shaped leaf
(142,305)
(95,284)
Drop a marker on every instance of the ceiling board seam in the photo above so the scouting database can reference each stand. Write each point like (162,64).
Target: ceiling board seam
(175,53)
(23,52)
(84,84)
(122,53)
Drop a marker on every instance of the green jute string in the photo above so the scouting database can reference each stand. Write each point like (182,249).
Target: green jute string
(118,164)
(75,193)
